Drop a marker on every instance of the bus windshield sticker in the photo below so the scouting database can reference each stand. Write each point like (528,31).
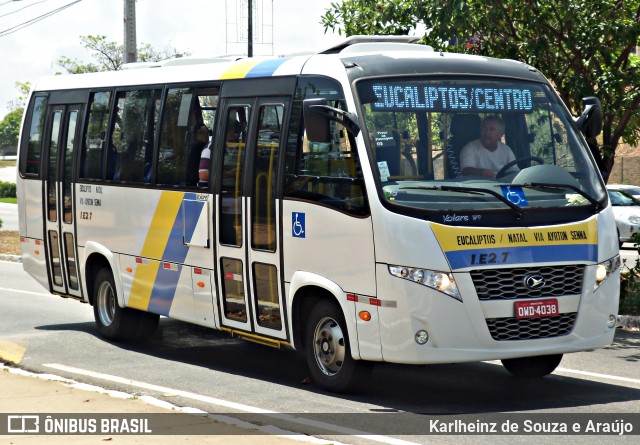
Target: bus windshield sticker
(515,195)
(384,171)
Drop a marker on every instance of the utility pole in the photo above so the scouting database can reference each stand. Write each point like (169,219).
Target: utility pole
(130,44)
(250,30)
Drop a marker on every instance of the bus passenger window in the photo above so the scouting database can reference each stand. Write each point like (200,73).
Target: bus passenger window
(133,136)
(232,173)
(31,164)
(327,173)
(187,124)
(94,143)
(263,218)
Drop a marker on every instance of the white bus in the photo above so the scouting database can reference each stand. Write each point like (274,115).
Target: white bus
(336,218)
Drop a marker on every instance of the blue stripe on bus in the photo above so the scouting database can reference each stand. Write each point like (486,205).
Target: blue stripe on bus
(266,68)
(518,255)
(164,290)
(175,251)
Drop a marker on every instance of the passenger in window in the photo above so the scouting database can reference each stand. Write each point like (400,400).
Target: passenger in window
(486,155)
(201,136)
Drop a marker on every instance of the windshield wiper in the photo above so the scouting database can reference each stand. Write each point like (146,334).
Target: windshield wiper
(474,191)
(544,185)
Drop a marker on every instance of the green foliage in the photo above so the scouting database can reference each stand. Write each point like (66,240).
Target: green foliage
(10,124)
(585,47)
(19,103)
(10,128)
(630,285)
(109,56)
(7,190)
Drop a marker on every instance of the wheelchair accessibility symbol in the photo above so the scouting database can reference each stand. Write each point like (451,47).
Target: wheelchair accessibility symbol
(515,195)
(297,225)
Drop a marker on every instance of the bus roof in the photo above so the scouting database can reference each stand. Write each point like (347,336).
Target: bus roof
(372,55)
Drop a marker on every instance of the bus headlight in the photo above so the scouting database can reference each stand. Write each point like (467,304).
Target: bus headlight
(606,268)
(440,281)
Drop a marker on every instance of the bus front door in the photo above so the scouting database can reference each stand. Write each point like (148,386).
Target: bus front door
(58,199)
(248,238)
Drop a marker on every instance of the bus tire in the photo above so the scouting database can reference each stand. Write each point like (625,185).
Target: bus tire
(114,322)
(532,367)
(328,353)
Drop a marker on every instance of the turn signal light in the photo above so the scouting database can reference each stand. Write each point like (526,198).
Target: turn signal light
(364,315)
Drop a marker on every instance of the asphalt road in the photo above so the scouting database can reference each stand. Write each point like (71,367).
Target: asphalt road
(196,367)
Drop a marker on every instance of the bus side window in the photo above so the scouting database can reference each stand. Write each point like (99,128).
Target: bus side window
(133,136)
(94,144)
(327,173)
(30,158)
(189,118)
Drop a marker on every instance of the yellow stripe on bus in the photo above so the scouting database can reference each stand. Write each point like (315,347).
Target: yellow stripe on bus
(153,248)
(454,238)
(239,70)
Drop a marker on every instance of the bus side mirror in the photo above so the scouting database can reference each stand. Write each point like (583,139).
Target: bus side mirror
(316,121)
(590,121)
(317,115)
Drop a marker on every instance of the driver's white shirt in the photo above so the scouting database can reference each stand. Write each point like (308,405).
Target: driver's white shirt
(475,155)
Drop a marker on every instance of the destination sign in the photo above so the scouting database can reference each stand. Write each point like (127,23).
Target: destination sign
(418,96)
(472,246)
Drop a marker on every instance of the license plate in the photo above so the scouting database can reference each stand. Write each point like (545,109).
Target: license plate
(537,308)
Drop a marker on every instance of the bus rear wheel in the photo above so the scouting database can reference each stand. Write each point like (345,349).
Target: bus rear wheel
(114,322)
(328,353)
(532,367)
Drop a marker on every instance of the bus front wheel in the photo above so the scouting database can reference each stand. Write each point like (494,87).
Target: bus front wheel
(328,353)
(532,367)
(114,322)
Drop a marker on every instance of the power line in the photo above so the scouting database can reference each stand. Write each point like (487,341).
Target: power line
(35,20)
(18,10)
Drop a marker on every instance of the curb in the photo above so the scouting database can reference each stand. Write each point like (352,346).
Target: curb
(14,258)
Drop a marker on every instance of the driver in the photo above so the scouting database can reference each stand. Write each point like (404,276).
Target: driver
(488,154)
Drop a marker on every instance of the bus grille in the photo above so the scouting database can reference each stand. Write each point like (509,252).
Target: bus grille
(531,328)
(508,284)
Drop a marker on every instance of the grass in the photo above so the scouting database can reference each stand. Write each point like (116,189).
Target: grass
(7,163)
(9,200)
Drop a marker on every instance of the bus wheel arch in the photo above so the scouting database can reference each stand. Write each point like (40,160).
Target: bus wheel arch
(304,300)
(94,263)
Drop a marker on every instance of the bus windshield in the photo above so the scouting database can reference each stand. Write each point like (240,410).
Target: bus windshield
(462,144)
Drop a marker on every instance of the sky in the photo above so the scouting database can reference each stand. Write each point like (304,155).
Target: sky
(199,27)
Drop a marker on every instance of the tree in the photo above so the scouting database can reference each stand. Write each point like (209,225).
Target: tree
(10,124)
(10,128)
(584,47)
(109,56)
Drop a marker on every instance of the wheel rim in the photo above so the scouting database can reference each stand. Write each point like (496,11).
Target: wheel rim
(329,346)
(106,304)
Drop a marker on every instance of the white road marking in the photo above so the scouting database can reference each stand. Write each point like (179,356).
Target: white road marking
(593,375)
(42,294)
(600,376)
(232,405)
